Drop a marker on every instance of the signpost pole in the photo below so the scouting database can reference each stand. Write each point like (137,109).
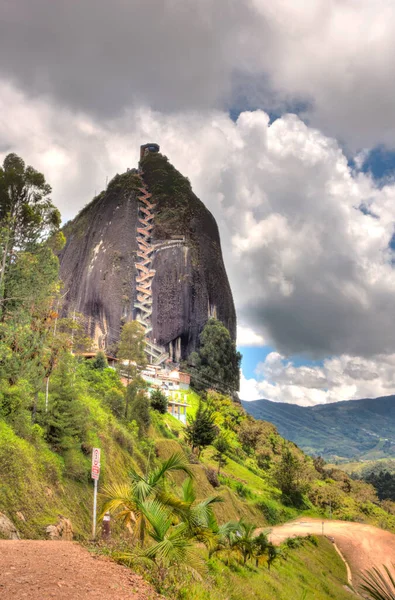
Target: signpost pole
(94,511)
(95,473)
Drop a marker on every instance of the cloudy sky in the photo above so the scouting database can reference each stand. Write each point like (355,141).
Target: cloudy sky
(282,115)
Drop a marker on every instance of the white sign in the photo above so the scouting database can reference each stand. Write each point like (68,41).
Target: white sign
(95,463)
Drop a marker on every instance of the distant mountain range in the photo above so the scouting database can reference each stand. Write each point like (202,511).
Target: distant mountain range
(356,429)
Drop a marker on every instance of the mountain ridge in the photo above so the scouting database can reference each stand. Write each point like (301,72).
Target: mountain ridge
(361,429)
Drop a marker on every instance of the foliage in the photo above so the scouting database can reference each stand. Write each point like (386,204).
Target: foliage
(384,483)
(27,216)
(292,475)
(159,401)
(131,348)
(126,500)
(216,364)
(222,446)
(379,585)
(201,430)
(100,361)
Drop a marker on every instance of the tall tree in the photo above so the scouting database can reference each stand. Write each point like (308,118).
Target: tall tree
(131,352)
(202,430)
(221,446)
(27,215)
(131,349)
(216,364)
(292,475)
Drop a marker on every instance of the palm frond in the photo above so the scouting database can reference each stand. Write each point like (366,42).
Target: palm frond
(378,584)
(188,491)
(176,462)
(142,489)
(158,517)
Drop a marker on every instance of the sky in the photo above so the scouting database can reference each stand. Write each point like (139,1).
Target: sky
(282,115)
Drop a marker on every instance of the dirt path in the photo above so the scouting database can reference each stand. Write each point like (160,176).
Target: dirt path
(363,546)
(39,570)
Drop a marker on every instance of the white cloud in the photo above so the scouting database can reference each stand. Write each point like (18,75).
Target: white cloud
(247,337)
(339,378)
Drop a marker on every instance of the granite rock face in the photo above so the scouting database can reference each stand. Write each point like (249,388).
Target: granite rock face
(97,264)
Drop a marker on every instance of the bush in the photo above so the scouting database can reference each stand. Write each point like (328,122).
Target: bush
(115,400)
(159,402)
(313,539)
(212,477)
(242,490)
(295,542)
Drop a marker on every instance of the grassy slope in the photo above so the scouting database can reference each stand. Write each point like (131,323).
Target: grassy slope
(35,482)
(308,573)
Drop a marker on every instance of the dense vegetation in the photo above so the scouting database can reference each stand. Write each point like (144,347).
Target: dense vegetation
(360,429)
(186,502)
(216,364)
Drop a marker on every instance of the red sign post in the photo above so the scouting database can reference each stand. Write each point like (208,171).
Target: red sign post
(95,473)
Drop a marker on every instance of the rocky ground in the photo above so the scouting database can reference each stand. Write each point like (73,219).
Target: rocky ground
(50,570)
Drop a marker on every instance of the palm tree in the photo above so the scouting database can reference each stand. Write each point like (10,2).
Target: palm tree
(217,538)
(379,585)
(260,546)
(244,539)
(197,516)
(172,548)
(125,500)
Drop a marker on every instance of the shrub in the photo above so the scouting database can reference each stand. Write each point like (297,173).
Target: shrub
(294,542)
(242,490)
(212,477)
(159,402)
(313,539)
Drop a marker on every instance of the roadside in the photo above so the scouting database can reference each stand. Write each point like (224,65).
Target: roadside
(50,570)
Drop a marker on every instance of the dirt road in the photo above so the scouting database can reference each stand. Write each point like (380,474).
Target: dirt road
(39,570)
(363,546)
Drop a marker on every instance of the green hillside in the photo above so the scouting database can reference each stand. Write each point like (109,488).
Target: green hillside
(357,429)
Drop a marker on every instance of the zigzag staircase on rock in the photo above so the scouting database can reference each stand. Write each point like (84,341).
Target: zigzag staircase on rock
(145,273)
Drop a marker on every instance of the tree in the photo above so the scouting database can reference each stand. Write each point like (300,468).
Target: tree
(272,554)
(100,361)
(159,402)
(139,409)
(125,500)
(201,431)
(245,540)
(222,446)
(131,347)
(260,547)
(27,215)
(216,364)
(136,402)
(66,421)
(198,516)
(292,475)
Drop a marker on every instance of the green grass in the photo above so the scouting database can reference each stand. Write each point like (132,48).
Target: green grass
(308,573)
(39,484)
